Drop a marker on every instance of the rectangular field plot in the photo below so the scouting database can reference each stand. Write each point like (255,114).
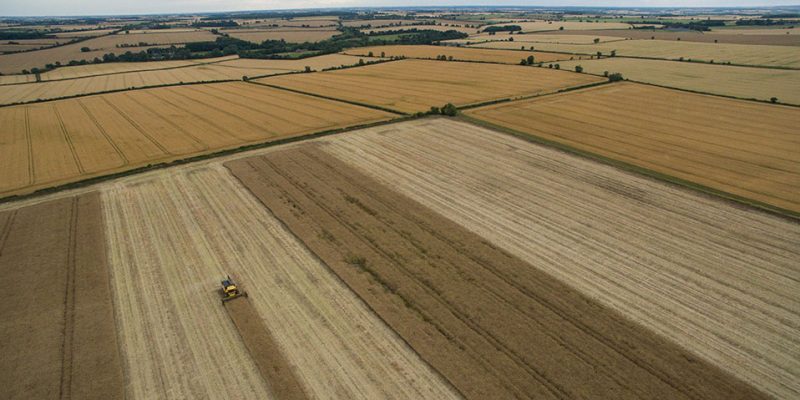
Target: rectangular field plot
(743,82)
(458,53)
(719,280)
(416,85)
(743,148)
(52,143)
(494,325)
(57,334)
(173,235)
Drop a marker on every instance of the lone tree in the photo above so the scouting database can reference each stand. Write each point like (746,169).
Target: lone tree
(578,69)
(370,54)
(85,49)
(615,77)
(773,100)
(383,54)
(596,40)
(450,110)
(522,62)
(530,60)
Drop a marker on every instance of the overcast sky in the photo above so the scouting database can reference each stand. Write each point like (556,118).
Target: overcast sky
(111,7)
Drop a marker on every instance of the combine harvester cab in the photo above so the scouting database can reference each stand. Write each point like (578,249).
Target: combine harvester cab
(230,290)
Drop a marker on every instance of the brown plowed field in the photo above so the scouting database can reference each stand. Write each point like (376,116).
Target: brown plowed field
(416,85)
(57,335)
(52,143)
(722,281)
(743,148)
(494,325)
(458,53)
(174,234)
(694,36)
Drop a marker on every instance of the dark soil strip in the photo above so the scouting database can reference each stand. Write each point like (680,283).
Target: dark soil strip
(493,325)
(272,364)
(57,334)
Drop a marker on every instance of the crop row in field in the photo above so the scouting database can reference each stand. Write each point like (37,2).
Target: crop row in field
(173,234)
(743,82)
(416,85)
(52,143)
(57,334)
(717,279)
(742,54)
(458,53)
(738,147)
(168,74)
(491,323)
(756,38)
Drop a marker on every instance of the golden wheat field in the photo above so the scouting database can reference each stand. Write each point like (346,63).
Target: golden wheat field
(458,53)
(734,146)
(743,54)
(416,85)
(743,82)
(158,74)
(52,143)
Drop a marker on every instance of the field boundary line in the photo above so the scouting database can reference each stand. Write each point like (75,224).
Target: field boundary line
(531,96)
(6,231)
(727,96)
(730,198)
(100,178)
(73,96)
(331,98)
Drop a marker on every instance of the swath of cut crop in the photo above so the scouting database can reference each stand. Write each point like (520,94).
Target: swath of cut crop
(57,336)
(492,324)
(274,367)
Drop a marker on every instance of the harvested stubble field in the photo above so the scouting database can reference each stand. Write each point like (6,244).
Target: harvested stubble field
(492,324)
(726,80)
(440,28)
(575,38)
(15,63)
(744,148)
(174,234)
(57,335)
(696,36)
(416,85)
(742,54)
(540,26)
(53,143)
(289,35)
(720,280)
(458,53)
(157,74)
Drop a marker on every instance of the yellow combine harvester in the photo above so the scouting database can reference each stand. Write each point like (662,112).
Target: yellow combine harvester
(230,290)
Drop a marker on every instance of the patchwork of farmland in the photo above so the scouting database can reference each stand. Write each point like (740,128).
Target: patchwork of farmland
(755,55)
(172,235)
(458,53)
(717,279)
(289,35)
(543,26)
(743,148)
(53,143)
(743,82)
(731,36)
(157,74)
(416,85)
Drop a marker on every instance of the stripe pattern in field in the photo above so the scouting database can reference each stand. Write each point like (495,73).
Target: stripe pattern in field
(743,148)
(57,334)
(495,326)
(458,53)
(719,280)
(416,85)
(52,143)
(172,237)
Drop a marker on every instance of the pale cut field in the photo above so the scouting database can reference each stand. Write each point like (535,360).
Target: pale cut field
(294,22)
(377,23)
(744,148)
(720,280)
(15,63)
(458,53)
(174,235)
(539,26)
(80,71)
(83,34)
(289,35)
(744,82)
(171,73)
(757,31)
(416,85)
(696,36)
(744,54)
(58,142)
(440,28)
